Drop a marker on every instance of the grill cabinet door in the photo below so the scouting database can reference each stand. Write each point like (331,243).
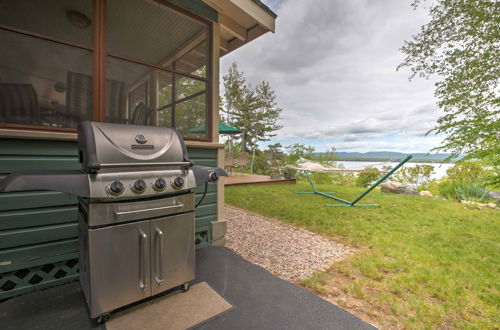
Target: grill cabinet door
(172,245)
(119,265)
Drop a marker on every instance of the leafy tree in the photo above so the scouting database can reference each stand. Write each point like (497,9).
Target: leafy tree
(460,45)
(276,158)
(297,151)
(253,110)
(275,148)
(417,176)
(273,160)
(491,165)
(190,102)
(328,156)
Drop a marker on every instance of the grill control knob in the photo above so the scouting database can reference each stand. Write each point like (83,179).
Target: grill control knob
(213,176)
(178,183)
(160,184)
(139,186)
(116,187)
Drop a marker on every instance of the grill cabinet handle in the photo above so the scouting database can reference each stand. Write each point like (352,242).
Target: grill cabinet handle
(159,276)
(144,243)
(151,209)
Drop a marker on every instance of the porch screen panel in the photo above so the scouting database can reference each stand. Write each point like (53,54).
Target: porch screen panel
(150,44)
(128,91)
(190,107)
(165,99)
(45,63)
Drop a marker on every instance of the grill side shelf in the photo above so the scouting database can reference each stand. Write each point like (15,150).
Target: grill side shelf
(70,182)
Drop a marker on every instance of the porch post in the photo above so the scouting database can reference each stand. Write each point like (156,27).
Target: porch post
(218,228)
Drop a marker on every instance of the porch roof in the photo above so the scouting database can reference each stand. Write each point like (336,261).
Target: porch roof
(242,21)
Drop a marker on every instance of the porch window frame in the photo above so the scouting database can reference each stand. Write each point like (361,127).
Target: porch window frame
(99,59)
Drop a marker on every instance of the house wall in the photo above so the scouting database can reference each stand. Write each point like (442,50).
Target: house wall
(39,229)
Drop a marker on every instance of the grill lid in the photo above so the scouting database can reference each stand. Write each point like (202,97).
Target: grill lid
(116,145)
(121,162)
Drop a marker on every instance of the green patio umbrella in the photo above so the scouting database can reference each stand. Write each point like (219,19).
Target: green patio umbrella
(223,129)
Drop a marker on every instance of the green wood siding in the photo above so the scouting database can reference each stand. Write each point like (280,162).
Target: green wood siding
(39,229)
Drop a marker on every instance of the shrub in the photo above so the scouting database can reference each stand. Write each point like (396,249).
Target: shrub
(433,187)
(365,179)
(466,172)
(344,179)
(416,176)
(340,178)
(446,188)
(290,173)
(321,177)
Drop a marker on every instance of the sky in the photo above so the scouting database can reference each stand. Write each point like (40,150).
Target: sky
(332,64)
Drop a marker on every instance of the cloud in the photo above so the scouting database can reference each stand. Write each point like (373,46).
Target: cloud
(332,64)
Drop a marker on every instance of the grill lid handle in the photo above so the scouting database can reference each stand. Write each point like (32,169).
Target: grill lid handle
(86,144)
(70,182)
(185,155)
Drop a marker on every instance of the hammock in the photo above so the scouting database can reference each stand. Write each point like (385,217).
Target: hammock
(357,199)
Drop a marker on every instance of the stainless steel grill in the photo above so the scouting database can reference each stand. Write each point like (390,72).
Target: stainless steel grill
(136,211)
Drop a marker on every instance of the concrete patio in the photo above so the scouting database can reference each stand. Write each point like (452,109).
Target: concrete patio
(260,301)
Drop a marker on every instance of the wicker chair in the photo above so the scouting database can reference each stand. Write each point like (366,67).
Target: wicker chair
(19,104)
(241,162)
(228,161)
(141,114)
(79,100)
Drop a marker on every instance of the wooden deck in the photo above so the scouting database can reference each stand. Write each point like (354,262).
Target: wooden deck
(254,179)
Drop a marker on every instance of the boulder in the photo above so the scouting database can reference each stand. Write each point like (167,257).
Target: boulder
(480,205)
(494,195)
(397,188)
(426,193)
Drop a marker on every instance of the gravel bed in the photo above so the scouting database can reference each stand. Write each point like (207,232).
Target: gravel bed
(288,252)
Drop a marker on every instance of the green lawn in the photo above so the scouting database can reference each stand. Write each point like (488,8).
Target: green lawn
(421,262)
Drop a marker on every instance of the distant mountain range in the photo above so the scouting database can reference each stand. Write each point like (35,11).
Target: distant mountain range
(388,155)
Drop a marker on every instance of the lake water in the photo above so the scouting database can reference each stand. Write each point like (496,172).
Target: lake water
(439,168)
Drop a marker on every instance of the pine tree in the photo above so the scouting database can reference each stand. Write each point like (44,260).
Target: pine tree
(252,110)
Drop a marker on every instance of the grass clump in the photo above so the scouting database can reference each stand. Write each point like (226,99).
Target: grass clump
(471,192)
(463,191)
(317,282)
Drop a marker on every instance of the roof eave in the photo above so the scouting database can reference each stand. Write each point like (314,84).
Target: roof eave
(243,21)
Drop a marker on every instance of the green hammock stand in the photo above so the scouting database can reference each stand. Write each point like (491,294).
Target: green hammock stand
(363,194)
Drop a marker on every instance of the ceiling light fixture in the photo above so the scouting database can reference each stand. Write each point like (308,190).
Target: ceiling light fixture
(78,19)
